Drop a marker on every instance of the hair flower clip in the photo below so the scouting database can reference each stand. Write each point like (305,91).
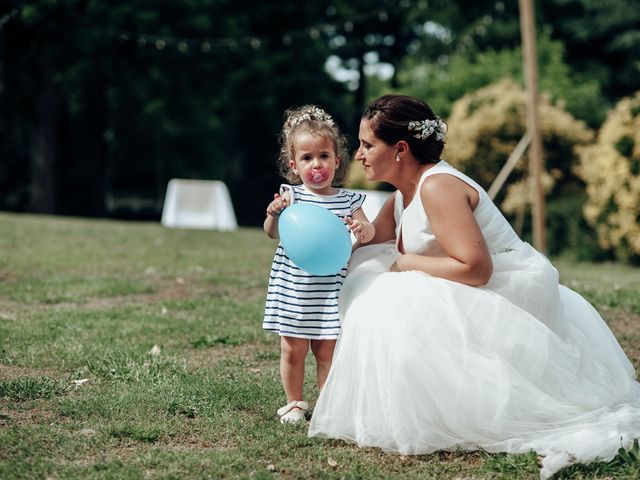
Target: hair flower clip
(429,127)
(314,113)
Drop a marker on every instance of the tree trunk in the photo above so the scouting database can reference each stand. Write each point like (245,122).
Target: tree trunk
(98,168)
(43,148)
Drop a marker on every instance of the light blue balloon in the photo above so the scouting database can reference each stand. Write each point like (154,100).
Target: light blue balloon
(316,239)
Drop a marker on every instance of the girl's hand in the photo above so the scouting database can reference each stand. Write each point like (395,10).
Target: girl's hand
(276,207)
(364,231)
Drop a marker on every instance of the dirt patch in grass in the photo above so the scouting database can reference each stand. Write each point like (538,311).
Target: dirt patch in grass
(626,328)
(200,441)
(165,291)
(8,277)
(16,414)
(134,453)
(621,322)
(8,372)
(251,355)
(191,438)
(439,464)
(7,315)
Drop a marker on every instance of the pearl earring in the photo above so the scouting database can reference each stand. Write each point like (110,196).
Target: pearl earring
(397,157)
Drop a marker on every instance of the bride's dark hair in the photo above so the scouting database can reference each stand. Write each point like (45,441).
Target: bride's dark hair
(389,118)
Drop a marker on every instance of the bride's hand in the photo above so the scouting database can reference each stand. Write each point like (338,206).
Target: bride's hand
(403,263)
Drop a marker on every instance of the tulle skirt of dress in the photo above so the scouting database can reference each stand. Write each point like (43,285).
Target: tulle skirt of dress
(522,364)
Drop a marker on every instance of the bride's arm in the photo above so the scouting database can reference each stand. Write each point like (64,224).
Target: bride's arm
(385,224)
(448,204)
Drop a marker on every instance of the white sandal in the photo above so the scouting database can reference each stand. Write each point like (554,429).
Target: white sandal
(287,413)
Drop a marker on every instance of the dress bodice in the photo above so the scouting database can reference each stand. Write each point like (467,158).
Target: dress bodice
(414,231)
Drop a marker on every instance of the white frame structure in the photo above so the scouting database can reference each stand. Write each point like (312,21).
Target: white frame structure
(198,204)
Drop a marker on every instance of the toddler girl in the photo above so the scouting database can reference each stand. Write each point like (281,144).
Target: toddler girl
(301,307)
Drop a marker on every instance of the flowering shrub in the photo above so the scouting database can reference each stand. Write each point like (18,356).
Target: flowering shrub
(485,127)
(611,170)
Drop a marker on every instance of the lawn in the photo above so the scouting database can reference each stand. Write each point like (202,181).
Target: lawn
(131,351)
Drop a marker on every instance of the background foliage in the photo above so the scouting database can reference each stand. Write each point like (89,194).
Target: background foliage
(101,103)
(485,127)
(611,171)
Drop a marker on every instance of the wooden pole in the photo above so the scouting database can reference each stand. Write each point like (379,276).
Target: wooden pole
(509,165)
(527,27)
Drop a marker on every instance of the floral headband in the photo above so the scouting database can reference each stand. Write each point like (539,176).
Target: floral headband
(428,127)
(314,113)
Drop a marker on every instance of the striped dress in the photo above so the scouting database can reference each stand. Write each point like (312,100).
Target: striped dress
(300,304)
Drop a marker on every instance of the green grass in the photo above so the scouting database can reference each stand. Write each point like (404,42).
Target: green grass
(181,381)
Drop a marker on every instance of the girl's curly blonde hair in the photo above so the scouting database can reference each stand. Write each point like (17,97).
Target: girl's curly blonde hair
(314,120)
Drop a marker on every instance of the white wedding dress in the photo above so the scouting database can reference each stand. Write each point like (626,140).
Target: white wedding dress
(523,363)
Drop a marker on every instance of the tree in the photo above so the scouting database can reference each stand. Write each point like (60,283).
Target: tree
(587,51)
(118,99)
(602,40)
(442,85)
(367,35)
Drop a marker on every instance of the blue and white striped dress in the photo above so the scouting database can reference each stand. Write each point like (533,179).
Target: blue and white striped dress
(300,304)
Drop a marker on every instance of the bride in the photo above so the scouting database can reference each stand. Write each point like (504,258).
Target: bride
(456,333)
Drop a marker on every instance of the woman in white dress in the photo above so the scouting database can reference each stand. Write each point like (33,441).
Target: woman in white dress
(455,333)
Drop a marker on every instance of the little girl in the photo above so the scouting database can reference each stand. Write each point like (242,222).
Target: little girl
(301,307)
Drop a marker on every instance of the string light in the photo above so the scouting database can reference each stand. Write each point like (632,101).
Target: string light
(7,17)
(206,45)
(335,30)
